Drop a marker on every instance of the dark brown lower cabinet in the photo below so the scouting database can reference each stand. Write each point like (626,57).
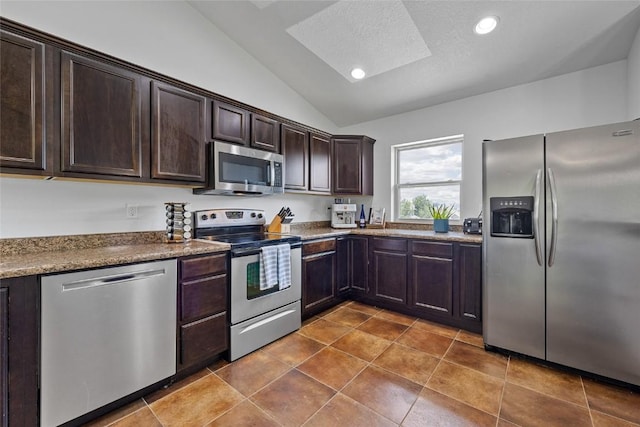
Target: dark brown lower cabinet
(352,253)
(4,357)
(431,284)
(319,289)
(19,317)
(389,269)
(470,280)
(203,328)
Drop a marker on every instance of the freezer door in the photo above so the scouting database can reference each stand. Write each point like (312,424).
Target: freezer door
(513,290)
(593,281)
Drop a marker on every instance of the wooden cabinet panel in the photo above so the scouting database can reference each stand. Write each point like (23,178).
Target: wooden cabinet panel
(204,338)
(177,134)
(22,320)
(265,133)
(203,297)
(435,249)
(295,149)
(387,244)
(201,266)
(359,275)
(22,103)
(390,276)
(318,275)
(432,284)
(230,123)
(319,164)
(470,276)
(352,165)
(101,110)
(318,246)
(4,357)
(342,264)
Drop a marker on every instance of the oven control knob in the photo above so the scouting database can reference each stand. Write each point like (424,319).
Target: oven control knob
(253,214)
(204,217)
(259,215)
(213,216)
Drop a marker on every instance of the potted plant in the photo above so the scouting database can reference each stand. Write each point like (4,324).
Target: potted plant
(441,214)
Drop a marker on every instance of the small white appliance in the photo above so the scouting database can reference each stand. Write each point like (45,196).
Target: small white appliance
(343,215)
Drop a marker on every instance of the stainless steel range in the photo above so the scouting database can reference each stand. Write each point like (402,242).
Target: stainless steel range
(259,314)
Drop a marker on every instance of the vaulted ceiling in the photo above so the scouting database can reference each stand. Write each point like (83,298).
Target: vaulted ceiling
(420,53)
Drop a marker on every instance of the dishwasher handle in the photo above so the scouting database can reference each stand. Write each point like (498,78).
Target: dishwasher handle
(111,280)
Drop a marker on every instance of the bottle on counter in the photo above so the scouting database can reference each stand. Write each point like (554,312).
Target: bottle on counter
(362,217)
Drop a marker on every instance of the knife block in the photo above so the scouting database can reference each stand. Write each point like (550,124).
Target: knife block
(279,225)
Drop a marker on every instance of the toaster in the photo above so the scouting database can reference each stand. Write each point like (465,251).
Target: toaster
(472,226)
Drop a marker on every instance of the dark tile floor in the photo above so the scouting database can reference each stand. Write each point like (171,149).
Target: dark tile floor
(357,365)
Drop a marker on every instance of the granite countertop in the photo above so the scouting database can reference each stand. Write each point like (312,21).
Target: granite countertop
(74,258)
(45,255)
(326,232)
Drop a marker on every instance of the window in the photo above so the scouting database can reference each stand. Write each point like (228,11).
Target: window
(427,172)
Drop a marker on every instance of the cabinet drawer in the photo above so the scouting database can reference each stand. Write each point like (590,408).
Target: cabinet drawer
(204,338)
(203,297)
(389,244)
(203,266)
(436,249)
(318,247)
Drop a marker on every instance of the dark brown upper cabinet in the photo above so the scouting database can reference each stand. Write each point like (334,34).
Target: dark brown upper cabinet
(265,133)
(101,114)
(319,164)
(230,123)
(177,134)
(295,149)
(22,105)
(352,164)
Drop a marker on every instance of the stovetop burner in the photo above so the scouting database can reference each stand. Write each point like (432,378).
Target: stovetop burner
(242,228)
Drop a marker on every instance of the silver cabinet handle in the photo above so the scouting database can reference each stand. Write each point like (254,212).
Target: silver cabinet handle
(554,218)
(536,213)
(110,280)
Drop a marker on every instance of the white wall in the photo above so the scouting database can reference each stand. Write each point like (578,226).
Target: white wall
(585,98)
(633,75)
(171,38)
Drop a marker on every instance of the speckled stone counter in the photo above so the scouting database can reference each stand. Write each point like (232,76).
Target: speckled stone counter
(29,256)
(325,232)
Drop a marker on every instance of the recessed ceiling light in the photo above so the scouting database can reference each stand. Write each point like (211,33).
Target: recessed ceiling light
(486,25)
(358,73)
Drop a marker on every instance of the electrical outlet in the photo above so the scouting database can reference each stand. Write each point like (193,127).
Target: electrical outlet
(131,211)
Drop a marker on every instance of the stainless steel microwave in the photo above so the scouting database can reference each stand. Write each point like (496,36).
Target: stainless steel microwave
(237,170)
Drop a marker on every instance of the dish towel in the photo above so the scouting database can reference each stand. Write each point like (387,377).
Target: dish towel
(284,265)
(268,267)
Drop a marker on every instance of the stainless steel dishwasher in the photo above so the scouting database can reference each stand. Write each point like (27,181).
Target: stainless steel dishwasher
(105,333)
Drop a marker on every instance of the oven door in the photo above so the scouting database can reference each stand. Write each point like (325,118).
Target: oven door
(247,300)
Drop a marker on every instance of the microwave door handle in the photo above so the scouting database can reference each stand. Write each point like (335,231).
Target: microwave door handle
(270,174)
(536,212)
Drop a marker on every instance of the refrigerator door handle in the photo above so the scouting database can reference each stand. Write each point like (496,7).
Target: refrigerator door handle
(554,218)
(536,207)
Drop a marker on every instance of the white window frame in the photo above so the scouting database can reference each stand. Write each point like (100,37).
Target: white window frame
(395,168)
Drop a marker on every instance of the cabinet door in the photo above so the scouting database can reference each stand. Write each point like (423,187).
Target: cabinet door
(21,315)
(432,284)
(203,297)
(343,261)
(359,263)
(101,110)
(177,134)
(265,133)
(390,276)
(295,149)
(320,164)
(347,166)
(470,268)
(318,275)
(22,103)
(230,123)
(4,357)
(204,338)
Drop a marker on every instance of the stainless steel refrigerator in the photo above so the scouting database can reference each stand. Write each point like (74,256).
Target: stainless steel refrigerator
(561,248)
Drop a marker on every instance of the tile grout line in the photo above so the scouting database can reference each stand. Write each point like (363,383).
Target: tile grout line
(504,387)
(584,392)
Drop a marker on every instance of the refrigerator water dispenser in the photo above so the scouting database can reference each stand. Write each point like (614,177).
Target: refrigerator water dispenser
(512,216)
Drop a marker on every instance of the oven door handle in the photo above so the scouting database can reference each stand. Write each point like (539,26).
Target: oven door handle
(256,250)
